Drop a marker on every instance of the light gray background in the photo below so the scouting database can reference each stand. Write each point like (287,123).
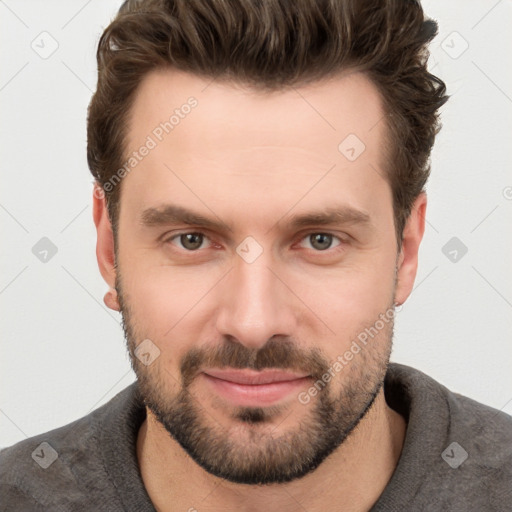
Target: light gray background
(63,352)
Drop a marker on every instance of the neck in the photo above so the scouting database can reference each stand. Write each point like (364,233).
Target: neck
(353,477)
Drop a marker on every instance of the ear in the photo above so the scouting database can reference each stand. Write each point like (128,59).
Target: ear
(407,263)
(105,253)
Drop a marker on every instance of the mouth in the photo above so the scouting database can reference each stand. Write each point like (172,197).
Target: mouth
(254,388)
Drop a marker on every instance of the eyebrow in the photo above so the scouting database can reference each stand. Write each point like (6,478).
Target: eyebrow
(173,214)
(339,215)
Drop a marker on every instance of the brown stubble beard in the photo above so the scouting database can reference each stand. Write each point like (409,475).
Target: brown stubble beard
(262,456)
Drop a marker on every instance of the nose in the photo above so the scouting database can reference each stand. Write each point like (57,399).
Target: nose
(254,305)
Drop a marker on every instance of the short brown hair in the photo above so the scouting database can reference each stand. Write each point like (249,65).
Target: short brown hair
(272,44)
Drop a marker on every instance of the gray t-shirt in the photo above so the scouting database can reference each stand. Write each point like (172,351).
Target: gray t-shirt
(457,456)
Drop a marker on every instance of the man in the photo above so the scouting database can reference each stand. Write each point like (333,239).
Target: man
(259,205)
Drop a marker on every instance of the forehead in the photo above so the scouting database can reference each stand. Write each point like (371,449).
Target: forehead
(228,143)
(332,108)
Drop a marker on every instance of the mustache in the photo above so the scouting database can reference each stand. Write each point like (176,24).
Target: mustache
(278,352)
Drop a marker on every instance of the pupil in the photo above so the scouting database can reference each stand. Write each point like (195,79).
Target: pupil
(192,240)
(321,241)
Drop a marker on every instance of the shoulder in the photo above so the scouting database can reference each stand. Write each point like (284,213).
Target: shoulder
(58,467)
(488,425)
(460,414)
(478,453)
(456,449)
(486,442)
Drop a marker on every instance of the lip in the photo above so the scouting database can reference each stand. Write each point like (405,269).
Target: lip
(254,377)
(254,388)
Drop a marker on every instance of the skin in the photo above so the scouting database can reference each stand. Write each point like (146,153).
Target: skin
(253,161)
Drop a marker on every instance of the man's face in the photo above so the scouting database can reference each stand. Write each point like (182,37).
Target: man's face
(277,251)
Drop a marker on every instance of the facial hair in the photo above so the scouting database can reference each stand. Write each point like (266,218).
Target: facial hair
(250,452)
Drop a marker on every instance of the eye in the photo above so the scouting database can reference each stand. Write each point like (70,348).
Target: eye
(320,241)
(189,241)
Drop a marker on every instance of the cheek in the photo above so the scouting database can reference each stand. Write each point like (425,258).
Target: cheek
(164,298)
(349,294)
(343,302)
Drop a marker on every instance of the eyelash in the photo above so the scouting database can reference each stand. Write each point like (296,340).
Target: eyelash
(341,244)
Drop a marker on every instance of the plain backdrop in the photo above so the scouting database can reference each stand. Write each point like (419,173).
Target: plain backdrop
(63,353)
